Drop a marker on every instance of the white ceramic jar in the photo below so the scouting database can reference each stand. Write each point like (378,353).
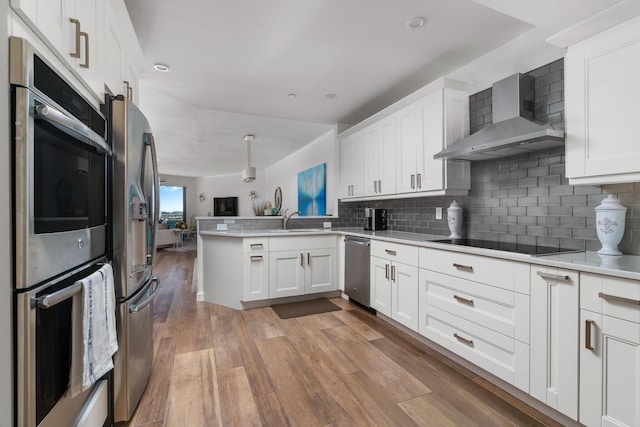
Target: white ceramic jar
(454,217)
(610,217)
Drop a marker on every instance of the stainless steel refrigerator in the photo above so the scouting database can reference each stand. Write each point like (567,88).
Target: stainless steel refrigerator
(134,214)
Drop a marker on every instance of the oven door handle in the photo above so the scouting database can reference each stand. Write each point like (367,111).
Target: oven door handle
(71,126)
(135,308)
(49,300)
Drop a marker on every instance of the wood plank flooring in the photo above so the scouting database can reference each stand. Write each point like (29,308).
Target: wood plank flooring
(215,366)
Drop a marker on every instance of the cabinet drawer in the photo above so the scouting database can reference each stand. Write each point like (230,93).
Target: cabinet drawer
(495,272)
(255,244)
(395,252)
(498,354)
(291,243)
(610,296)
(494,308)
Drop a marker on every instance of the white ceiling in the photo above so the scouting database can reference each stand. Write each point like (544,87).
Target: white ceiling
(233,63)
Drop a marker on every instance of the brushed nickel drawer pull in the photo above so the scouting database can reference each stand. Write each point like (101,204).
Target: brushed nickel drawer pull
(587,334)
(554,277)
(256,258)
(390,252)
(85,64)
(463,267)
(76,54)
(301,259)
(463,339)
(463,300)
(393,273)
(622,300)
(386,271)
(256,245)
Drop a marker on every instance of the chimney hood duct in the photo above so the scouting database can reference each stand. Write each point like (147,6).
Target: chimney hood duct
(513,130)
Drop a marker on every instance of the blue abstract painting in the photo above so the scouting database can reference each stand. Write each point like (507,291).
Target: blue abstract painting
(312,191)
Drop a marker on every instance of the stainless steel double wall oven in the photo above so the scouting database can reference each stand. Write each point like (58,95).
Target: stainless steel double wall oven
(59,198)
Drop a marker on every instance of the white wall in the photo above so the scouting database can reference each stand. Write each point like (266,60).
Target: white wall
(230,186)
(6,370)
(284,174)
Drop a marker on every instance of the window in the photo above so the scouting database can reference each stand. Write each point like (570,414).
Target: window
(172,203)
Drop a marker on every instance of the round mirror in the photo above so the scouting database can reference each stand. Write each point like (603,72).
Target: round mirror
(278,198)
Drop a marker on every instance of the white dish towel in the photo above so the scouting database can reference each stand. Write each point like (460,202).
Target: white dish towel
(94,330)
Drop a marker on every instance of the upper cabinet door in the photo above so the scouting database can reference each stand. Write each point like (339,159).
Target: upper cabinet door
(114,54)
(602,107)
(352,165)
(406,148)
(45,17)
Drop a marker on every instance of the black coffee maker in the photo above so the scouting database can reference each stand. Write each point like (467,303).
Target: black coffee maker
(375,219)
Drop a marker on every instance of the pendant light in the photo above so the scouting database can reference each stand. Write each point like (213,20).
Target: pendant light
(249,173)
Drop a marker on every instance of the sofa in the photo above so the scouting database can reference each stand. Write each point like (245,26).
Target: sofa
(165,237)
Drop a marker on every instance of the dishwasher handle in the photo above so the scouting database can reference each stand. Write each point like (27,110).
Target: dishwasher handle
(356,241)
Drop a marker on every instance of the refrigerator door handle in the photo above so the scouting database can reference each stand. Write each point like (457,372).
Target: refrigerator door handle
(134,308)
(147,139)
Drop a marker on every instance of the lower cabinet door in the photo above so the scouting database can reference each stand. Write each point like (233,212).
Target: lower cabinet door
(554,342)
(609,371)
(404,308)
(320,271)
(286,273)
(256,277)
(381,285)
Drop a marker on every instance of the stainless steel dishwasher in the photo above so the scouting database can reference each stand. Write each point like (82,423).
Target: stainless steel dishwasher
(356,269)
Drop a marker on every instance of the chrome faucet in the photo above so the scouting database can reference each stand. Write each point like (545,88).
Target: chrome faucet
(286,218)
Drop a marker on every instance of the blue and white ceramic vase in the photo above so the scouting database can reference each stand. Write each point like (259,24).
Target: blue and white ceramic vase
(454,218)
(610,225)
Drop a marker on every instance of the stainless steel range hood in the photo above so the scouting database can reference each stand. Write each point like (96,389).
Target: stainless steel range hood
(513,130)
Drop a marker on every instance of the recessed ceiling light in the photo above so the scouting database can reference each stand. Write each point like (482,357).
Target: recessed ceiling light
(331,96)
(415,23)
(292,95)
(161,67)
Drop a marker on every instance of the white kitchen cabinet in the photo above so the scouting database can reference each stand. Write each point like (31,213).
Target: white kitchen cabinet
(286,273)
(74,31)
(299,272)
(122,60)
(352,165)
(394,282)
(302,265)
(424,129)
(477,307)
(85,41)
(554,339)
(379,165)
(609,351)
(255,269)
(601,93)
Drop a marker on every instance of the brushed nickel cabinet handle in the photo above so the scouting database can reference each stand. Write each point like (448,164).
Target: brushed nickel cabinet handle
(308,258)
(587,334)
(393,273)
(127,86)
(379,186)
(413,181)
(375,186)
(463,267)
(86,50)
(256,245)
(463,300)
(554,277)
(390,252)
(622,300)
(302,259)
(463,339)
(130,93)
(76,54)
(386,271)
(419,181)
(255,258)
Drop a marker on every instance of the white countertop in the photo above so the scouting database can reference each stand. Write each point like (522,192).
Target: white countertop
(625,266)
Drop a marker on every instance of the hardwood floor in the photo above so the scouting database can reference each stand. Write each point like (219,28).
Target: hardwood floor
(220,367)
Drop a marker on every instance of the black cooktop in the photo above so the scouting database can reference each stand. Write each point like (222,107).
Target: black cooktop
(508,247)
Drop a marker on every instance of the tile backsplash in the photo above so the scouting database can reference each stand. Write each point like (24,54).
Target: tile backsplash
(524,199)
